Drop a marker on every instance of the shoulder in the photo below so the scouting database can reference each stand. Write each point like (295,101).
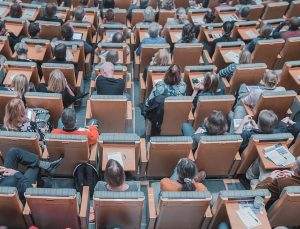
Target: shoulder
(166,184)
(200,187)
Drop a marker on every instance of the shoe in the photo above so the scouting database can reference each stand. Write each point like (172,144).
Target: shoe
(54,165)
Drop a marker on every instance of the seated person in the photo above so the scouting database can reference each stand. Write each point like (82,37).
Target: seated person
(60,55)
(266,124)
(79,17)
(21,50)
(244,3)
(243,13)
(208,86)
(113,57)
(11,177)
(3,71)
(18,118)
(68,119)
(226,37)
(109,17)
(50,14)
(293,30)
(107,83)
(119,37)
(57,83)
(143,4)
(185,178)
(12,38)
(161,58)
(171,85)
(264,34)
(188,34)
(167,4)
(34,30)
(244,58)
(15,11)
(214,124)
(278,180)
(114,176)
(153,38)
(83,3)
(67,32)
(149,17)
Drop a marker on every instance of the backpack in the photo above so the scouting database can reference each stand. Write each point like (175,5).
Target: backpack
(85,174)
(155,112)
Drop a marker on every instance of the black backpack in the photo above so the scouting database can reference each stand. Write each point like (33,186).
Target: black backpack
(85,174)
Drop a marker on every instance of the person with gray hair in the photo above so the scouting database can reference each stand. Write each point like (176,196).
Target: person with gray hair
(279,179)
(69,121)
(149,15)
(21,50)
(153,38)
(79,14)
(112,57)
(134,5)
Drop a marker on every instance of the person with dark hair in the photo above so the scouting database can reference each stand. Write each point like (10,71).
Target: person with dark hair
(68,119)
(208,86)
(188,34)
(244,12)
(214,124)
(227,28)
(107,83)
(114,176)
(15,11)
(264,34)
(108,4)
(112,57)
(171,85)
(50,13)
(293,30)
(119,37)
(12,38)
(11,177)
(79,14)
(34,30)
(109,17)
(185,178)
(134,5)
(153,38)
(67,32)
(59,54)
(83,3)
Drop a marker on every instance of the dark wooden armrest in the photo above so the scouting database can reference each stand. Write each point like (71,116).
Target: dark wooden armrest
(79,79)
(84,207)
(27,216)
(93,154)
(144,159)
(143,88)
(207,218)
(235,164)
(88,113)
(206,55)
(151,208)
(226,84)
(191,156)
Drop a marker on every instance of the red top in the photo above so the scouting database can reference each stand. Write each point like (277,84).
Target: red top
(91,133)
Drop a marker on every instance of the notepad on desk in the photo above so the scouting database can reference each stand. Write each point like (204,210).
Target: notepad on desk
(232,56)
(251,34)
(2,10)
(117,156)
(28,13)
(217,35)
(279,155)
(198,20)
(248,217)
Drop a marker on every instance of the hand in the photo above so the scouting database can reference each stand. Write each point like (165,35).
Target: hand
(2,169)
(274,174)
(246,119)
(253,124)
(198,87)
(285,173)
(9,172)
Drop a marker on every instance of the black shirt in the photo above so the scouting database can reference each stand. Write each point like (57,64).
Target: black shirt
(54,19)
(66,97)
(109,86)
(224,38)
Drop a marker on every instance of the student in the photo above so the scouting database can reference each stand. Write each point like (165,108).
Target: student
(214,124)
(171,85)
(185,178)
(113,57)
(12,38)
(11,177)
(134,5)
(50,13)
(59,53)
(34,30)
(264,34)
(15,11)
(188,34)
(293,30)
(244,58)
(167,5)
(266,124)
(208,86)
(244,13)
(114,176)
(68,119)
(149,17)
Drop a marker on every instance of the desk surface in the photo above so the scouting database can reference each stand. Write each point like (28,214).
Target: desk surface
(224,50)
(62,14)
(236,222)
(127,152)
(228,16)
(12,72)
(195,75)
(216,32)
(295,74)
(30,14)
(33,54)
(15,28)
(248,33)
(4,10)
(267,164)
(175,35)
(75,54)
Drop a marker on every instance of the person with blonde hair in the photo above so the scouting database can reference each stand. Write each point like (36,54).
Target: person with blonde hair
(161,58)
(244,58)
(57,83)
(20,84)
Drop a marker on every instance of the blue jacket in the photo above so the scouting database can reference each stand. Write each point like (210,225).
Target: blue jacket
(150,40)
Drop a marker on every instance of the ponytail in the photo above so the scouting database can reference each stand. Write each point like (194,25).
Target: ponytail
(188,185)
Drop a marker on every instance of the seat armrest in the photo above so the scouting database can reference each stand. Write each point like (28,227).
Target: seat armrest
(191,117)
(129,114)
(206,56)
(84,207)
(207,218)
(226,84)
(87,65)
(144,159)
(27,216)
(45,155)
(93,154)
(132,39)
(95,39)
(236,163)
(143,88)
(79,79)
(88,113)
(151,209)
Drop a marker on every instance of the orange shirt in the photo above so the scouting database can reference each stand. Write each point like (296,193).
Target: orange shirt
(166,184)
(91,133)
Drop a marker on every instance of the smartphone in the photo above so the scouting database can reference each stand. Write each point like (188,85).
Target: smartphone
(29,114)
(195,81)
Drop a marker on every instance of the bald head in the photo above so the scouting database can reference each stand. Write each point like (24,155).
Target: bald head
(108,70)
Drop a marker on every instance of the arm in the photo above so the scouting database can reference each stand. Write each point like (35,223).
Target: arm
(276,32)
(228,71)
(245,121)
(22,183)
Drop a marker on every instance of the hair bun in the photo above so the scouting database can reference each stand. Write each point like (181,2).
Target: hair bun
(187,180)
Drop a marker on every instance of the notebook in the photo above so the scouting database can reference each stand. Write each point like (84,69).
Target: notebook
(232,56)
(77,36)
(279,155)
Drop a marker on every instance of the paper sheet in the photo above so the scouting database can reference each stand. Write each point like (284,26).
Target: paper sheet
(231,17)
(198,20)
(2,10)
(237,122)
(248,217)
(178,36)
(251,34)
(232,56)
(279,155)
(69,55)
(28,13)
(217,35)
(117,156)
(77,36)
